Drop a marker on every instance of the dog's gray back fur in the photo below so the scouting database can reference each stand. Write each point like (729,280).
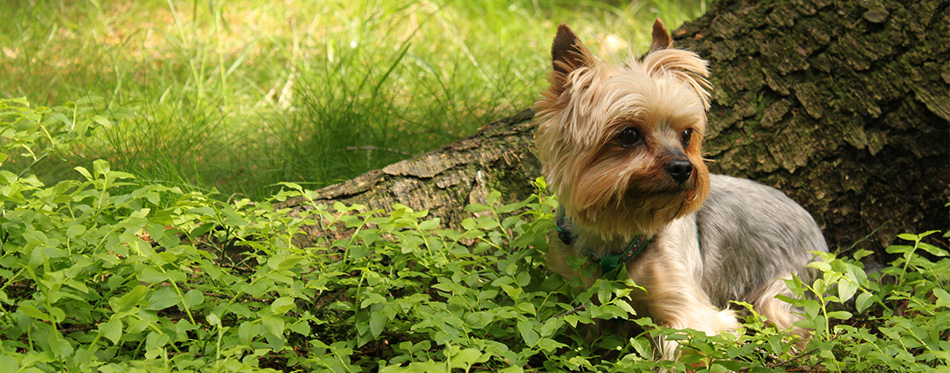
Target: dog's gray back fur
(750,235)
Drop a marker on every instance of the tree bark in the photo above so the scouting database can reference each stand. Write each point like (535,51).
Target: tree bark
(843,105)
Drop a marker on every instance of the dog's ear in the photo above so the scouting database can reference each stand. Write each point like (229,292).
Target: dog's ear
(683,65)
(661,37)
(567,54)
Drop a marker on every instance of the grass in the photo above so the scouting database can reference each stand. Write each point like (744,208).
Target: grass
(241,95)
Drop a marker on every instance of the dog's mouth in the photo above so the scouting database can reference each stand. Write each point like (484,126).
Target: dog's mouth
(670,197)
(660,190)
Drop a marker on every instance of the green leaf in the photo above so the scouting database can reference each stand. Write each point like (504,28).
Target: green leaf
(943,298)
(861,254)
(430,224)
(476,208)
(467,357)
(551,326)
(863,301)
(530,336)
(84,172)
(549,345)
(57,313)
(274,325)
(7,178)
(232,218)
(75,230)
(213,319)
(301,327)
(282,305)
(775,343)
(112,330)
(155,340)
(840,315)
(819,286)
(162,299)
(908,237)
(359,252)
(33,312)
(248,331)
(898,249)
(823,266)
(513,292)
(61,348)
(130,299)
(193,298)
(377,320)
(626,307)
(103,121)
(151,275)
(100,167)
(523,278)
(604,291)
(8,363)
(812,307)
(932,250)
(493,197)
(846,288)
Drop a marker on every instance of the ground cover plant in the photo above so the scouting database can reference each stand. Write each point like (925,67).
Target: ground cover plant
(107,273)
(241,95)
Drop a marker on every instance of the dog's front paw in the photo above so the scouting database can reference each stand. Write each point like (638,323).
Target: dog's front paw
(716,322)
(727,321)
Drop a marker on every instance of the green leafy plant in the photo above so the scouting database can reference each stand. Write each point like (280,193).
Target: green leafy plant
(29,135)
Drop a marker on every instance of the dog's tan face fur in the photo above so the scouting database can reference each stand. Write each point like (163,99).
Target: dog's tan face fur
(608,133)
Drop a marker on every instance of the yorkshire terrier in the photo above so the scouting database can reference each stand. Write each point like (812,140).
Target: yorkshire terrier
(621,148)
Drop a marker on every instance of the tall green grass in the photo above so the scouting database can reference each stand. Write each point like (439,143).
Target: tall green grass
(241,95)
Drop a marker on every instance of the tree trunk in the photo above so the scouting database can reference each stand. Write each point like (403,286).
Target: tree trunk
(499,157)
(843,105)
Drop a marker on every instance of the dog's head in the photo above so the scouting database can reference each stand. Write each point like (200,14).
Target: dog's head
(621,145)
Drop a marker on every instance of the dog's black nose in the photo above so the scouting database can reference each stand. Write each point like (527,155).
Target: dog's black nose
(679,170)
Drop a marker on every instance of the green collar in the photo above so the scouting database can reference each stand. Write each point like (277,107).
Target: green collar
(607,262)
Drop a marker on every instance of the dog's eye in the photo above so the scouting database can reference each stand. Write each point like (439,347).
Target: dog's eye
(628,137)
(686,136)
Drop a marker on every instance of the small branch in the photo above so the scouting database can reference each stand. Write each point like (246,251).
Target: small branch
(371,148)
(571,312)
(798,357)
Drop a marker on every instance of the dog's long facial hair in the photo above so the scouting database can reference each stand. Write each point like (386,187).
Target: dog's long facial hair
(621,144)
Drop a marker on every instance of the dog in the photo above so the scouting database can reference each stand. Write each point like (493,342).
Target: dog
(620,146)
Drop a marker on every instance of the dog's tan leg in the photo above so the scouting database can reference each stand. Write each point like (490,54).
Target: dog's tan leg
(674,299)
(779,312)
(776,311)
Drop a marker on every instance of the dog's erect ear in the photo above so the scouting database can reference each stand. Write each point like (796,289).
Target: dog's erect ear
(661,37)
(684,65)
(567,54)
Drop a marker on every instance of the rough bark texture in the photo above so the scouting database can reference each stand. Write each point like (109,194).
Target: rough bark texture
(499,157)
(843,105)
